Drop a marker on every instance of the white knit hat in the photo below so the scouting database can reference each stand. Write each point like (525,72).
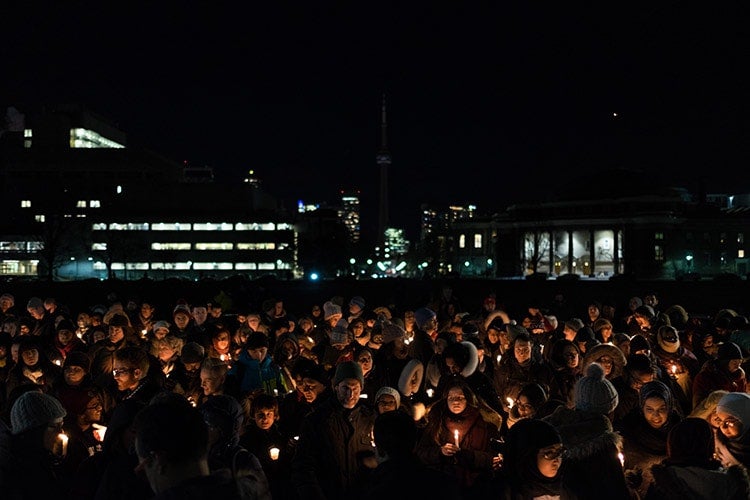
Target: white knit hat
(391,391)
(34,409)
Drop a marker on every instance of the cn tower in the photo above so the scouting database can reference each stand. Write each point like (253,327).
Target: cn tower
(383,159)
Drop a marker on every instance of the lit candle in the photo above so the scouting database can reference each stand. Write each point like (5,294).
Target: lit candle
(499,357)
(510,402)
(541,348)
(273,452)
(430,393)
(276,392)
(143,333)
(99,431)
(222,357)
(455,436)
(63,442)
(622,459)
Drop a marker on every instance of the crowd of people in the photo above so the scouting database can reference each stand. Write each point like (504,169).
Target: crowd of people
(350,400)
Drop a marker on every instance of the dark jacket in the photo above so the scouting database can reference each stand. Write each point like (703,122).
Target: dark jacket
(674,482)
(333,442)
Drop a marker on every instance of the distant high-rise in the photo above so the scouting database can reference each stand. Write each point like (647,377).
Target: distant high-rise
(383,159)
(349,212)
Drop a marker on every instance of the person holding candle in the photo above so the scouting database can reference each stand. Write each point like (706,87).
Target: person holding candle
(733,415)
(313,386)
(33,366)
(456,439)
(33,470)
(724,373)
(678,363)
(84,410)
(255,369)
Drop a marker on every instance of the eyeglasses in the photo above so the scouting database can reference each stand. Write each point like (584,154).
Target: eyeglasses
(120,371)
(554,454)
(730,423)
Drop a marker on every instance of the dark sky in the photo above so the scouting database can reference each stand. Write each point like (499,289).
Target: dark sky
(491,105)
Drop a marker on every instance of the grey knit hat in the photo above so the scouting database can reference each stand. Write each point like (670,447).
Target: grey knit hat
(595,393)
(348,369)
(330,309)
(34,409)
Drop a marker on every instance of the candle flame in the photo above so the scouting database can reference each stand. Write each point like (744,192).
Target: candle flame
(622,459)
(510,402)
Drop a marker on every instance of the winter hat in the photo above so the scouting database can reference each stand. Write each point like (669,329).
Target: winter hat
(690,442)
(256,340)
(535,393)
(118,319)
(34,303)
(595,393)
(34,409)
(77,358)
(656,389)
(497,324)
(391,331)
(340,334)
(601,323)
(574,324)
(423,315)
(307,368)
(524,440)
(645,310)
(329,309)
(161,324)
(348,369)
(223,412)
(585,334)
(28,342)
(639,343)
(181,308)
(357,301)
(410,379)
(737,404)
(515,330)
(192,352)
(9,297)
(667,338)
(729,351)
(65,324)
(390,391)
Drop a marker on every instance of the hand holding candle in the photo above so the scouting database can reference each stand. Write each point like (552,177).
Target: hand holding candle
(63,438)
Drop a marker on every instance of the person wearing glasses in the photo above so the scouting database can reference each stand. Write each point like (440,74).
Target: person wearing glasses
(733,418)
(456,439)
(532,462)
(131,376)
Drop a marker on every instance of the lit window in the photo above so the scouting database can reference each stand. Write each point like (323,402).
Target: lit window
(741,238)
(165,226)
(81,204)
(740,254)
(256,246)
(210,266)
(477,240)
(95,203)
(170,246)
(212,226)
(240,266)
(99,226)
(25,203)
(39,218)
(462,241)
(213,246)
(658,253)
(658,236)
(266,265)
(99,246)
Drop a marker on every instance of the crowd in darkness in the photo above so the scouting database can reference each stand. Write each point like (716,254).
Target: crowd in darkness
(346,399)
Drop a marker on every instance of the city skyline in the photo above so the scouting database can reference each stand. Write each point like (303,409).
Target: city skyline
(492,106)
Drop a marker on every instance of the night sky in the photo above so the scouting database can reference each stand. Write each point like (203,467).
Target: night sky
(492,106)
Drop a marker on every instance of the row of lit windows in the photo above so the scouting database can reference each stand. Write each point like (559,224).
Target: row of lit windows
(196,266)
(186,226)
(204,246)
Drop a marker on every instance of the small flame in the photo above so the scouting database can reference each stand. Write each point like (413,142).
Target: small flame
(622,459)
(430,393)
(510,402)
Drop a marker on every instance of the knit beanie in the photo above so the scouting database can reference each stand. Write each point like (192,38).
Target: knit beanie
(390,391)
(161,324)
(535,393)
(192,352)
(585,334)
(574,324)
(65,324)
(639,343)
(524,439)
(690,442)
(729,351)
(348,369)
(223,412)
(77,358)
(595,393)
(330,309)
(34,409)
(667,338)
(497,324)
(391,331)
(656,389)
(515,330)
(358,301)
(340,333)
(737,404)
(423,315)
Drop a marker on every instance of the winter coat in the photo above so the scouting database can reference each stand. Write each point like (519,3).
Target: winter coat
(510,377)
(250,375)
(675,482)
(713,377)
(328,462)
(592,468)
(219,484)
(396,479)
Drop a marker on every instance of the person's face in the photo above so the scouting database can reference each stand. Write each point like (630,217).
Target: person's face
(409,319)
(161,332)
(181,319)
(570,355)
(73,375)
(258,354)
(310,388)
(638,380)
(200,315)
(400,349)
(64,336)
(493,336)
(347,392)
(606,332)
(655,412)
(525,408)
(334,319)
(607,363)
(593,311)
(24,329)
(5,304)
(729,426)
(733,365)
(192,368)
(3,352)
(215,312)
(125,376)
(14,352)
(53,429)
(30,357)
(253,322)
(210,382)
(36,312)
(650,300)
(166,352)
(147,311)
(549,459)
(456,400)
(385,403)
(625,348)
(278,308)
(354,309)
(522,351)
(365,361)
(93,411)
(221,341)
(452,366)
(116,334)
(264,418)
(430,325)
